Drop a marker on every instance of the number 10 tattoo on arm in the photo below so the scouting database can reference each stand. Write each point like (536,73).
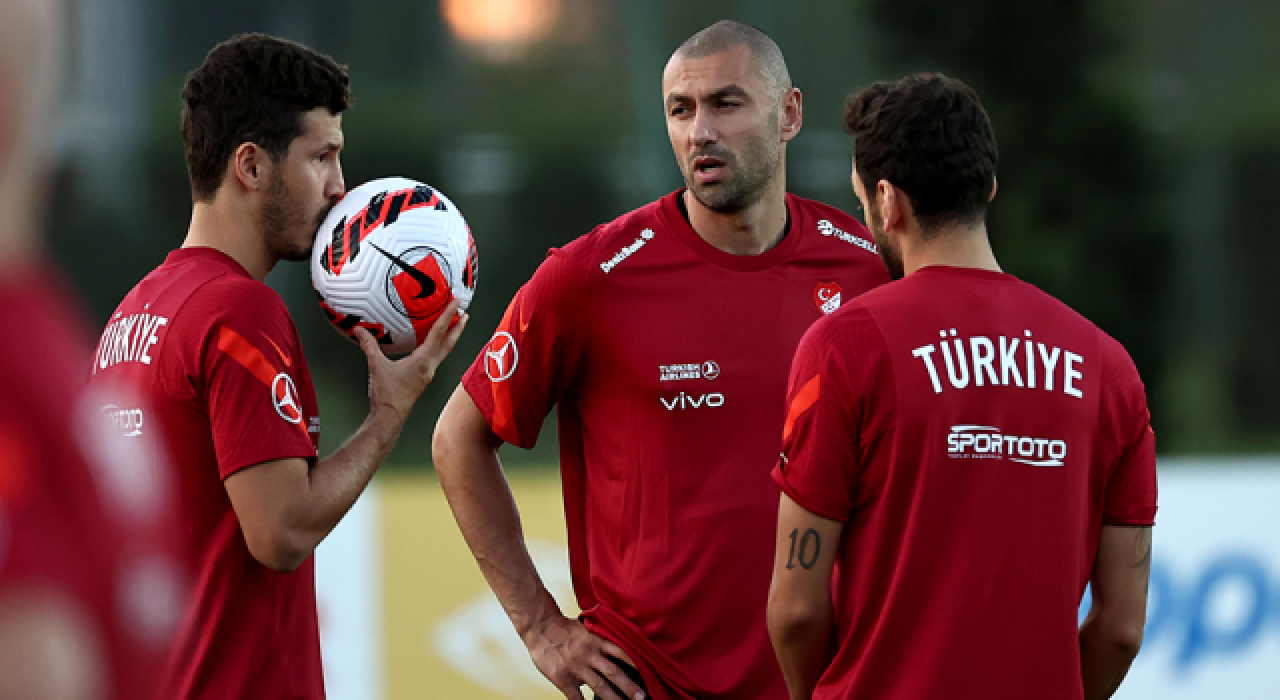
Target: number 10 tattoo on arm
(805,556)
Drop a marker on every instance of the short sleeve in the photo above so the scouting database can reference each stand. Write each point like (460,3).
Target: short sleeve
(1130,497)
(819,462)
(535,353)
(251,367)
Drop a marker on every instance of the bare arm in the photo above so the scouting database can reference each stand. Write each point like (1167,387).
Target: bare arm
(1112,633)
(465,452)
(800,616)
(285,507)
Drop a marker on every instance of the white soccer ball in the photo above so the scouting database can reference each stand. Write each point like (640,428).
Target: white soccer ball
(389,257)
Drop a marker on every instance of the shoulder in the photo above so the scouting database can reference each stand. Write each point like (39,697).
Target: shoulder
(820,211)
(835,233)
(1076,324)
(1117,365)
(851,330)
(598,250)
(235,297)
(243,306)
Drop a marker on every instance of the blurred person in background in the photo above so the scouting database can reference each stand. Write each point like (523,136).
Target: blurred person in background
(964,450)
(663,338)
(91,579)
(218,357)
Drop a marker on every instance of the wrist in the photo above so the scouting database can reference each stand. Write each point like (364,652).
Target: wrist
(386,411)
(535,625)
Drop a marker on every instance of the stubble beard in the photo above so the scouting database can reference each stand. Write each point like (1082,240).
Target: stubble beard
(283,222)
(751,177)
(892,258)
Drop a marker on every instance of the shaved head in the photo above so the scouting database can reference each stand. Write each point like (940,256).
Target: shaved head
(726,34)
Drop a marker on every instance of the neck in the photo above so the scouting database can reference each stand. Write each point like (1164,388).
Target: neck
(229,227)
(953,246)
(751,231)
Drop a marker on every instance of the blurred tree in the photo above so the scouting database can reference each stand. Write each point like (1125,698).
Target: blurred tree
(1255,250)
(1080,207)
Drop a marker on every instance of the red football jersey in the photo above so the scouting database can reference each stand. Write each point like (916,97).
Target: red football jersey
(86,514)
(974,434)
(218,358)
(665,357)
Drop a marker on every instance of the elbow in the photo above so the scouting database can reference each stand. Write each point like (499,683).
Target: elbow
(1126,638)
(461,436)
(794,619)
(443,444)
(280,550)
(1120,633)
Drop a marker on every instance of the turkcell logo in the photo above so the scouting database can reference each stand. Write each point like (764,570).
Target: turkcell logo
(1228,607)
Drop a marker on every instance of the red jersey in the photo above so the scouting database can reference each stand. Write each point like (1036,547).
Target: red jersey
(85,513)
(218,358)
(665,356)
(974,434)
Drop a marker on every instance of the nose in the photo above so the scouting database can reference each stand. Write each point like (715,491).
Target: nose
(336,186)
(703,130)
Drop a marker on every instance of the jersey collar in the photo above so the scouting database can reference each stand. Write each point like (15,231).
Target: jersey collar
(211,255)
(669,213)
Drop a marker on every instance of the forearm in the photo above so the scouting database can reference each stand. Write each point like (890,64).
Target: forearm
(1112,633)
(486,512)
(465,452)
(334,483)
(1105,657)
(802,641)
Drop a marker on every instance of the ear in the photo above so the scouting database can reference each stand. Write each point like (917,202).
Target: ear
(250,166)
(894,206)
(792,105)
(995,185)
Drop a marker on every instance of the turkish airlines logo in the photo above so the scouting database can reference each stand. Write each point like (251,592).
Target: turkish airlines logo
(284,396)
(688,370)
(827,228)
(501,357)
(827,296)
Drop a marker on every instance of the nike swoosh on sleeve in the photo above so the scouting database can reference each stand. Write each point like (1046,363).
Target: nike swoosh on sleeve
(288,362)
(803,401)
(524,322)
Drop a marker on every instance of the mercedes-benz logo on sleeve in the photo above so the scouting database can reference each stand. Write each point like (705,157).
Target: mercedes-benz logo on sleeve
(284,396)
(501,357)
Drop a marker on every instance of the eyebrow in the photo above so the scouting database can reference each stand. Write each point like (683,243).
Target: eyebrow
(728,91)
(731,90)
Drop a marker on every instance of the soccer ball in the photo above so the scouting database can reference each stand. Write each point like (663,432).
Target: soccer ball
(389,257)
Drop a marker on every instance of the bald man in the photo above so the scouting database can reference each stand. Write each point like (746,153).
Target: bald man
(89,585)
(663,337)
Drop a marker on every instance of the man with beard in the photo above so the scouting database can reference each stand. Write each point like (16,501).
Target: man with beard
(663,338)
(966,451)
(217,354)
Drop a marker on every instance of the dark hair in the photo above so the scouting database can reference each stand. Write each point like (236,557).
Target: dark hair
(253,88)
(929,135)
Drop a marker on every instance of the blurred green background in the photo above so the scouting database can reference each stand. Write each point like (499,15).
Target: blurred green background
(1139,139)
